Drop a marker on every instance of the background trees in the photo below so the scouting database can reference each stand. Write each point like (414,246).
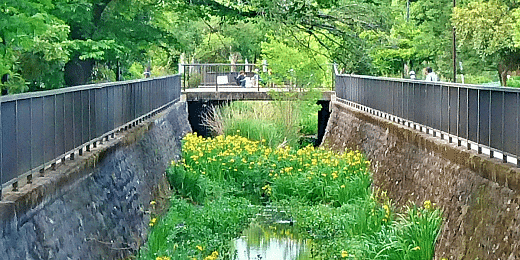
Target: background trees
(487,28)
(48,44)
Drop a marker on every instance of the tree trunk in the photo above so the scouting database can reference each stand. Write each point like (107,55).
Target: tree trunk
(502,74)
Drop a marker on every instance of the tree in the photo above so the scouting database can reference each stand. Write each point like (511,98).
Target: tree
(289,62)
(334,24)
(33,45)
(396,48)
(486,27)
(114,33)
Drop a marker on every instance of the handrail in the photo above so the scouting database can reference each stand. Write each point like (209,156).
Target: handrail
(206,74)
(40,129)
(473,86)
(485,119)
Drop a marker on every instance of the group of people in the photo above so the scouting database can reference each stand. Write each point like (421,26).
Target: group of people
(428,73)
(241,79)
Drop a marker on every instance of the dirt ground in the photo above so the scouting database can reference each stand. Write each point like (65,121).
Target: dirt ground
(481,216)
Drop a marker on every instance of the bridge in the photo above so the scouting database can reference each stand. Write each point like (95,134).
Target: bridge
(217,82)
(472,126)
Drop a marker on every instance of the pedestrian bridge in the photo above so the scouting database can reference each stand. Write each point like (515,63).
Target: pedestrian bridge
(234,93)
(217,82)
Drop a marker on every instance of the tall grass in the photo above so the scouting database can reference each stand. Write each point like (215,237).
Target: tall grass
(223,182)
(280,122)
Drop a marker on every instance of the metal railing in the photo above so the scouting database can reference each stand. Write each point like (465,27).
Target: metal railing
(486,119)
(214,74)
(40,129)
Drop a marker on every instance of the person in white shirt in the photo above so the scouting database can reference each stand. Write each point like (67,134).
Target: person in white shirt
(412,74)
(431,76)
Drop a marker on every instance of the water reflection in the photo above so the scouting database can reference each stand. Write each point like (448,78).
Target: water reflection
(274,242)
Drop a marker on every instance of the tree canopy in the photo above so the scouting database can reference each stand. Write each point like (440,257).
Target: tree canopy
(48,44)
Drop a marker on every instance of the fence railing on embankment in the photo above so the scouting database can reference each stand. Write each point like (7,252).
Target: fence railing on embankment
(485,119)
(40,129)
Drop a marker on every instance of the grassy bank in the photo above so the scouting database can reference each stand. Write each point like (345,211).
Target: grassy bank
(223,182)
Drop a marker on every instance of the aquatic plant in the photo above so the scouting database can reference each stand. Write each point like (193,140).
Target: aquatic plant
(223,182)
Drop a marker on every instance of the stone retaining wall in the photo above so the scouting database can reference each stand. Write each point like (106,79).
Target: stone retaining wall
(97,206)
(479,195)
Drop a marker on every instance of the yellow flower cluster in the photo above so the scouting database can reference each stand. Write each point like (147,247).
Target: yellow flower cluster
(213,256)
(153,221)
(427,204)
(225,151)
(229,156)
(267,188)
(386,207)
(327,164)
(163,258)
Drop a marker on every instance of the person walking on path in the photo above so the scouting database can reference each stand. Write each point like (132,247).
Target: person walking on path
(431,76)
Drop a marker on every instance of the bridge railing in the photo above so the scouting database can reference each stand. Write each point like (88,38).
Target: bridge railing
(214,74)
(486,119)
(40,129)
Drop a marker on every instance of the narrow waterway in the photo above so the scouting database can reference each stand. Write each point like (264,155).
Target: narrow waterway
(273,242)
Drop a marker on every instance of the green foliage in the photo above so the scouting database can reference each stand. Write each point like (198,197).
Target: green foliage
(253,120)
(215,48)
(102,73)
(283,121)
(190,231)
(194,80)
(309,118)
(486,27)
(33,45)
(223,40)
(288,63)
(15,84)
(326,194)
(419,226)
(38,38)
(247,38)
(336,180)
(480,79)
(400,46)
(514,82)
(135,71)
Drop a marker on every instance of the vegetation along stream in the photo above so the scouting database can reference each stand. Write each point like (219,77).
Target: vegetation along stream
(255,198)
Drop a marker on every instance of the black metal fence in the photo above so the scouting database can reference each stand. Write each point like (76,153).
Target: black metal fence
(481,118)
(39,129)
(216,74)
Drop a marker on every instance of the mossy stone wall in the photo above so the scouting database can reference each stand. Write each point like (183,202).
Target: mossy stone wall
(479,195)
(97,206)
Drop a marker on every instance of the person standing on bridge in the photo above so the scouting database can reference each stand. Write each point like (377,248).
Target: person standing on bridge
(431,76)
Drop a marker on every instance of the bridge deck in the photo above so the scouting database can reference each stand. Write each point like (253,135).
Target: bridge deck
(232,92)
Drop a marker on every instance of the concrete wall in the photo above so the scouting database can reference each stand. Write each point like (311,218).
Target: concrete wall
(97,206)
(479,195)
